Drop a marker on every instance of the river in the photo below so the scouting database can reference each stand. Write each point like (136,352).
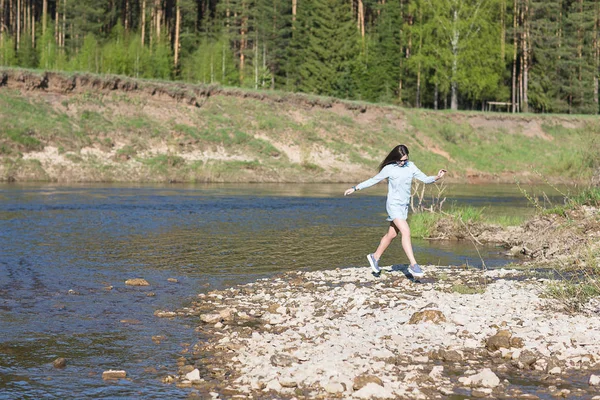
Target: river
(66,252)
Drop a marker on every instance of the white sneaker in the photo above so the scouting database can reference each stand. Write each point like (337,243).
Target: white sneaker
(374,263)
(416,271)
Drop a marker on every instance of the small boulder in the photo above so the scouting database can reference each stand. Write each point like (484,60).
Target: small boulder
(60,363)
(193,376)
(485,378)
(334,387)
(113,374)
(210,318)
(363,380)
(594,380)
(283,360)
(435,316)
(137,282)
(499,340)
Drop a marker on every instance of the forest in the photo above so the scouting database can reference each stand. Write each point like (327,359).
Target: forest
(540,56)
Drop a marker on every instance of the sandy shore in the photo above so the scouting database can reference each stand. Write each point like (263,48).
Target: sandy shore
(347,334)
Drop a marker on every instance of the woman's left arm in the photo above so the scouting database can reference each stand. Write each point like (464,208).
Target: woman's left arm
(427,179)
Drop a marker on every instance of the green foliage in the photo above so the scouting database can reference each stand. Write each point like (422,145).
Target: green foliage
(8,55)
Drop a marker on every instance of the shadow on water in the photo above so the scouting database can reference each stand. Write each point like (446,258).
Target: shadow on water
(67,251)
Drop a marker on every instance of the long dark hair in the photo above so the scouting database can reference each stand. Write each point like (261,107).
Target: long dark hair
(395,155)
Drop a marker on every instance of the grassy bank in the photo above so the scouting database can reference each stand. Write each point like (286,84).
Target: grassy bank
(57,127)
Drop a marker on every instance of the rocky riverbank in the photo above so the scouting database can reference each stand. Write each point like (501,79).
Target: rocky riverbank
(347,334)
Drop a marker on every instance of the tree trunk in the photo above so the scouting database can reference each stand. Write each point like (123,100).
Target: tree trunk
(514,66)
(453,81)
(1,18)
(44,16)
(503,29)
(361,18)
(177,23)
(126,16)
(158,17)
(435,97)
(56,32)
(143,25)
(596,55)
(401,52)
(418,98)
(64,23)
(294,9)
(525,105)
(33,25)
(256,61)
(18,23)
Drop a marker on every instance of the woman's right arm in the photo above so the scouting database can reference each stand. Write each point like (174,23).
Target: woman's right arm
(384,173)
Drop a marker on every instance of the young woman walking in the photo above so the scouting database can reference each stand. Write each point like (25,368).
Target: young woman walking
(399,173)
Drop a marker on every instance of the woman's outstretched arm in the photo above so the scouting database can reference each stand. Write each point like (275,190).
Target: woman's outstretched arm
(427,179)
(384,173)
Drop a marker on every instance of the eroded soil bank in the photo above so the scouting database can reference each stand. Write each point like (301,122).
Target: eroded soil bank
(63,127)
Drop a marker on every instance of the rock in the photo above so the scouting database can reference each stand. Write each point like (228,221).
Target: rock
(334,387)
(594,380)
(186,369)
(60,363)
(373,390)
(164,314)
(515,251)
(516,342)
(168,379)
(172,280)
(210,318)
(481,392)
(451,356)
(283,360)
(435,316)
(257,385)
(193,376)
(362,380)
(158,338)
(527,359)
(137,282)
(113,374)
(555,371)
(436,372)
(274,385)
(227,314)
(499,340)
(485,378)
(287,382)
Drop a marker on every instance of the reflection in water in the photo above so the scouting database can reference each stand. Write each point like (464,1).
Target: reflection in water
(63,246)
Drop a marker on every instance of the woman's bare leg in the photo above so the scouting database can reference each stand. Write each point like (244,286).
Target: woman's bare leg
(386,240)
(404,229)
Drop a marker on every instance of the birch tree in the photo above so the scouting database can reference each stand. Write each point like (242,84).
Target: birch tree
(461,26)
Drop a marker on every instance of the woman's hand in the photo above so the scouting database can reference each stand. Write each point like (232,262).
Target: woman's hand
(441,174)
(349,191)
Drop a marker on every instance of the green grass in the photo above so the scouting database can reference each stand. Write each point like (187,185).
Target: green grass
(464,289)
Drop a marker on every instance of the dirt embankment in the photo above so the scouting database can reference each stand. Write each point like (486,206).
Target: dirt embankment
(82,127)
(571,239)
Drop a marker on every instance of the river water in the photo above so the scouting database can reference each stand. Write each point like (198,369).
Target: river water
(62,247)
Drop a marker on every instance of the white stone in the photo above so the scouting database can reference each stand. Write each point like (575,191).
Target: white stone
(193,376)
(274,385)
(594,380)
(436,372)
(334,387)
(485,378)
(555,371)
(373,390)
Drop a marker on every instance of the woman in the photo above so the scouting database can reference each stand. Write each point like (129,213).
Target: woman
(400,173)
